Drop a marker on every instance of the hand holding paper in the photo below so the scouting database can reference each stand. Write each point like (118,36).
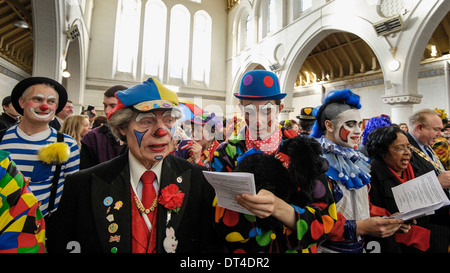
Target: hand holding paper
(419,197)
(228,185)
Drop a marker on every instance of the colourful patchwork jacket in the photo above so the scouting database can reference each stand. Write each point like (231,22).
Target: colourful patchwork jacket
(241,232)
(22,227)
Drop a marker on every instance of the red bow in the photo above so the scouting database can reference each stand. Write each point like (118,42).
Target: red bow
(284,158)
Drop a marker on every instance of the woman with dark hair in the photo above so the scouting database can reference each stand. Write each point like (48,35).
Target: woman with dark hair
(389,150)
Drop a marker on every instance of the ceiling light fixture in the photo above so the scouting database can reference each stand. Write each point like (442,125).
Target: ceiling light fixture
(394,65)
(66,74)
(20,24)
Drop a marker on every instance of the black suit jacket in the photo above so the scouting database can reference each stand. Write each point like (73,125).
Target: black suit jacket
(439,223)
(81,215)
(419,164)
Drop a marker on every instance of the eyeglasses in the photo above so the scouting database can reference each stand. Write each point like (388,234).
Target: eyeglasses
(402,149)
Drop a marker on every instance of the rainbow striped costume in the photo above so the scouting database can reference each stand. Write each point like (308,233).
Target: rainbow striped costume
(22,228)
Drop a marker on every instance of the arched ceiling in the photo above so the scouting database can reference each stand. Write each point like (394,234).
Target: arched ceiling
(343,55)
(338,55)
(16,44)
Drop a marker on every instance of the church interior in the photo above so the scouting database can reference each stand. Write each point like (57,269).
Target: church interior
(393,53)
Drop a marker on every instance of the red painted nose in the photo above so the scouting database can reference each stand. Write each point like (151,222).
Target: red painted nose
(44,107)
(160,132)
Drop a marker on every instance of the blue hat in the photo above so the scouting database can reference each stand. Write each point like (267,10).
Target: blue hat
(338,101)
(260,85)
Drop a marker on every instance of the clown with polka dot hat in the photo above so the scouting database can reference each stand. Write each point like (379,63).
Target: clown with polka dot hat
(260,98)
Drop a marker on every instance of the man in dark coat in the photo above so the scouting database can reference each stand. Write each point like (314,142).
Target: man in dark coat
(424,127)
(9,116)
(106,208)
(99,144)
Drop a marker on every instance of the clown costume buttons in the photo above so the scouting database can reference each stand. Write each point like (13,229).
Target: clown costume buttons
(113,228)
(107,201)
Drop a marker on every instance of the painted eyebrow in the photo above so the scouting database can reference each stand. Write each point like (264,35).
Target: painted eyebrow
(268,105)
(144,115)
(167,113)
(250,106)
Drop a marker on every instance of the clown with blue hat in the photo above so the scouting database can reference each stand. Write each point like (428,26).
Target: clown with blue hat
(338,130)
(260,98)
(260,101)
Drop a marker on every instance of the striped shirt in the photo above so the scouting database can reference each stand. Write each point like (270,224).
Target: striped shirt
(24,150)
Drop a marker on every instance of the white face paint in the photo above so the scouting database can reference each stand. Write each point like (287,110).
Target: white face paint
(261,118)
(40,114)
(348,128)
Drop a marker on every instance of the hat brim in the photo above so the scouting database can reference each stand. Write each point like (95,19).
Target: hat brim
(306,117)
(250,97)
(24,84)
(153,105)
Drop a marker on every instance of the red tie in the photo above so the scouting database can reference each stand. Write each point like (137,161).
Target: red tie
(143,241)
(148,190)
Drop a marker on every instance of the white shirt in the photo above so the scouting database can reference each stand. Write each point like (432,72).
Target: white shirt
(137,170)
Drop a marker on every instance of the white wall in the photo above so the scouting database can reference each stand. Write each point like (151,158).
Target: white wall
(301,35)
(100,71)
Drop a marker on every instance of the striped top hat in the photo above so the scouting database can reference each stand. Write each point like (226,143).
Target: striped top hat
(260,85)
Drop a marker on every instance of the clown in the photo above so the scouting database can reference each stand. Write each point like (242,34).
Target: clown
(131,202)
(200,149)
(338,129)
(260,101)
(42,154)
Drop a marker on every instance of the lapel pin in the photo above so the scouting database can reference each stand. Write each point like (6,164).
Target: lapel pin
(118,205)
(113,228)
(107,201)
(110,218)
(179,179)
(114,238)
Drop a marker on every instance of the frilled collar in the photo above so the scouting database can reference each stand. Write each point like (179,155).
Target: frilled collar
(346,165)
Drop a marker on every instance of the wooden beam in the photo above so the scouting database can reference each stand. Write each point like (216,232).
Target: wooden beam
(356,53)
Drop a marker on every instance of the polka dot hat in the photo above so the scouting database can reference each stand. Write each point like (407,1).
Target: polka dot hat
(260,85)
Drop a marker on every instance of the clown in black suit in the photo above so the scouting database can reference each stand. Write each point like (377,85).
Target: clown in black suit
(101,207)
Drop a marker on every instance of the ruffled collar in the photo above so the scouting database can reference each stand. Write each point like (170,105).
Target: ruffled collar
(348,166)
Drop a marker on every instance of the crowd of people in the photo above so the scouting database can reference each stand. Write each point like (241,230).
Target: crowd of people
(133,181)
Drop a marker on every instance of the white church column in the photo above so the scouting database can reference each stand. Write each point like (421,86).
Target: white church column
(402,106)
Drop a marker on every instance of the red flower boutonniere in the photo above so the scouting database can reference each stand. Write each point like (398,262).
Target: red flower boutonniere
(171,198)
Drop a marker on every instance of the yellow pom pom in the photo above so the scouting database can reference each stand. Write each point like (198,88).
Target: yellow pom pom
(54,153)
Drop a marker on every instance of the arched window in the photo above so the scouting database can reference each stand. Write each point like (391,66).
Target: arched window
(243,32)
(305,4)
(179,42)
(154,38)
(267,17)
(248,31)
(271,16)
(127,35)
(201,47)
